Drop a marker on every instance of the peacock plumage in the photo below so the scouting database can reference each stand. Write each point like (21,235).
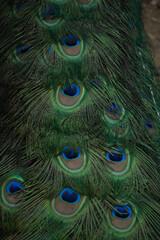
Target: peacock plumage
(80,118)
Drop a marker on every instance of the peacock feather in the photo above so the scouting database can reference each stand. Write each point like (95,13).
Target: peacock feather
(80,119)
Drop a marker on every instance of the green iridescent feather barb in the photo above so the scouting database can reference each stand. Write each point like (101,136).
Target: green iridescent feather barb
(80,121)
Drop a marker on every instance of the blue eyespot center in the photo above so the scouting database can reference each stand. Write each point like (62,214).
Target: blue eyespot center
(118,156)
(21,4)
(71,91)
(131,25)
(24,49)
(114,109)
(69,195)
(122,126)
(14,187)
(70,41)
(71,154)
(148,124)
(49,49)
(50,11)
(122,211)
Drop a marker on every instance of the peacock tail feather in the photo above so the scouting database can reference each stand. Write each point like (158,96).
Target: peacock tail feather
(80,122)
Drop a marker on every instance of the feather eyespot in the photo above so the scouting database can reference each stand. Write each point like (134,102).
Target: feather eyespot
(71,91)
(121,218)
(12,192)
(148,125)
(24,49)
(50,13)
(114,114)
(20,5)
(118,161)
(14,187)
(50,16)
(69,96)
(131,25)
(114,109)
(122,211)
(120,130)
(71,154)
(23,53)
(70,196)
(72,160)
(70,41)
(20,8)
(71,46)
(151,129)
(117,156)
(68,203)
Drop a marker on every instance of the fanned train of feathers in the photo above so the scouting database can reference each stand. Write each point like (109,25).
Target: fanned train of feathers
(80,122)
